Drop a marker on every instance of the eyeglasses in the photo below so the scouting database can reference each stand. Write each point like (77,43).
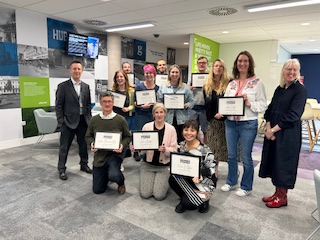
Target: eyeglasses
(292,69)
(107,102)
(203,63)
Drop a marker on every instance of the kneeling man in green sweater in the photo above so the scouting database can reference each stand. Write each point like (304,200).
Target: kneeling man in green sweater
(107,162)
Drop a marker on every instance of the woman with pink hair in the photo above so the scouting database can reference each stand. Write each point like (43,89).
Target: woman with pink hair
(144,111)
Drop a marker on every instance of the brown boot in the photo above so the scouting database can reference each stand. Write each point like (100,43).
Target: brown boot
(280,199)
(270,198)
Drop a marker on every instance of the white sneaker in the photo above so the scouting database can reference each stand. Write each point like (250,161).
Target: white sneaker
(121,167)
(243,193)
(227,187)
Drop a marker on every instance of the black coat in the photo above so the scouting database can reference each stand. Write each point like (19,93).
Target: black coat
(280,157)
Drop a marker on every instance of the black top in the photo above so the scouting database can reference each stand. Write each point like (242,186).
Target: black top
(156,155)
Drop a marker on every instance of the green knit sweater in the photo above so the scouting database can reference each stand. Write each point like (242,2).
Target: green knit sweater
(117,124)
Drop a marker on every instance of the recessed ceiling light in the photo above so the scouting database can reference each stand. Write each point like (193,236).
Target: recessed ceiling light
(130,26)
(316,49)
(225,32)
(312,40)
(185,43)
(284,4)
(305,24)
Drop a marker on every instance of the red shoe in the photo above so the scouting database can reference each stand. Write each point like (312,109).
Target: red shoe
(269,199)
(277,202)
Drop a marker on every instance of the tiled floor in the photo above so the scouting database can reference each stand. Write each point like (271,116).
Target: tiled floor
(35,204)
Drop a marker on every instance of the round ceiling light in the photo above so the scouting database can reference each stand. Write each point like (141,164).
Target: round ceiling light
(222,11)
(94,22)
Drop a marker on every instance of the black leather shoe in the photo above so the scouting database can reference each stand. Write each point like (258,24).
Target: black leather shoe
(63,176)
(128,153)
(204,207)
(85,168)
(180,208)
(136,156)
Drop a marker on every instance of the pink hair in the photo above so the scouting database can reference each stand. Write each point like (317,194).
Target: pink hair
(150,68)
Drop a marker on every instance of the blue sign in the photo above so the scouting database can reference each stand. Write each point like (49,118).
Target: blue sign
(57,33)
(140,50)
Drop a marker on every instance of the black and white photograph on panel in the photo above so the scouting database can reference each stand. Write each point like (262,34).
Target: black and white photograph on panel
(9,92)
(101,86)
(138,69)
(127,47)
(33,61)
(59,63)
(8,25)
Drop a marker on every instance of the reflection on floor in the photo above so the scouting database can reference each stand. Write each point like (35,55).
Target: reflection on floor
(35,204)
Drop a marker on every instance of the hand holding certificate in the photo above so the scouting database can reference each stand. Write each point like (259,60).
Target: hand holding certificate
(145,97)
(231,106)
(107,140)
(173,101)
(185,165)
(131,78)
(119,99)
(145,140)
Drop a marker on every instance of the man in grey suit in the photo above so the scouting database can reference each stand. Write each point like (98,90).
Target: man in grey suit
(73,109)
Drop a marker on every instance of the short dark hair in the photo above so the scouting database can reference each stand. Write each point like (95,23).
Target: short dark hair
(75,61)
(106,94)
(202,57)
(193,124)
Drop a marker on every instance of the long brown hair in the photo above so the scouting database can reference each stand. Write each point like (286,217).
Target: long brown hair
(235,71)
(115,84)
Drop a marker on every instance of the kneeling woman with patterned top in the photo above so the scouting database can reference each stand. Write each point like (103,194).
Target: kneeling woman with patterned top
(195,192)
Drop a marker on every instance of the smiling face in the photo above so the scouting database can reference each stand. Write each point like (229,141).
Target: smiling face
(243,64)
(202,65)
(174,76)
(217,68)
(121,81)
(162,66)
(290,73)
(75,71)
(189,134)
(159,115)
(149,76)
(126,67)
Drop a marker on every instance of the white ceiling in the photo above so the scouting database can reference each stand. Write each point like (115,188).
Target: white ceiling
(176,19)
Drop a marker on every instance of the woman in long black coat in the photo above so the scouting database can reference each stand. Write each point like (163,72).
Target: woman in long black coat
(282,142)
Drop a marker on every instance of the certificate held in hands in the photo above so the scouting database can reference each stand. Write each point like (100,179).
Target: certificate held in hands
(145,140)
(107,140)
(161,79)
(198,79)
(131,78)
(231,106)
(146,96)
(119,99)
(173,100)
(185,165)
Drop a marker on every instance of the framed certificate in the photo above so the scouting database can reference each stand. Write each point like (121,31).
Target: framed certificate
(185,165)
(146,96)
(161,79)
(131,78)
(145,140)
(107,140)
(119,99)
(173,100)
(231,106)
(198,79)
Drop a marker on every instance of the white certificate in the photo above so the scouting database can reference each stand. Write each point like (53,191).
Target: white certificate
(185,165)
(173,100)
(145,140)
(119,99)
(198,79)
(131,78)
(161,79)
(107,140)
(146,96)
(231,106)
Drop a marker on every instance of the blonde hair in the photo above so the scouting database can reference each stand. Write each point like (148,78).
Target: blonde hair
(210,85)
(181,84)
(287,64)
(159,105)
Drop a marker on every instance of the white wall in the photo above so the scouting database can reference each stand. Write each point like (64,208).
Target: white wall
(182,57)
(265,56)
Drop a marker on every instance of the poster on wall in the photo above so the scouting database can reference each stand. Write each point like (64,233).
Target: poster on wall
(7,25)
(8,59)
(34,92)
(127,47)
(57,33)
(33,61)
(139,50)
(9,92)
(171,56)
(203,47)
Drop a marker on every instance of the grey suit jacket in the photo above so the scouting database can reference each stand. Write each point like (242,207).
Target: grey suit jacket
(67,104)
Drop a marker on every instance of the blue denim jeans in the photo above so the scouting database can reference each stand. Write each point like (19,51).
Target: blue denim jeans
(143,118)
(245,132)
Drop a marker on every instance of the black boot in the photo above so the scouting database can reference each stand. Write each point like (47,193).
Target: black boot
(136,156)
(204,207)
